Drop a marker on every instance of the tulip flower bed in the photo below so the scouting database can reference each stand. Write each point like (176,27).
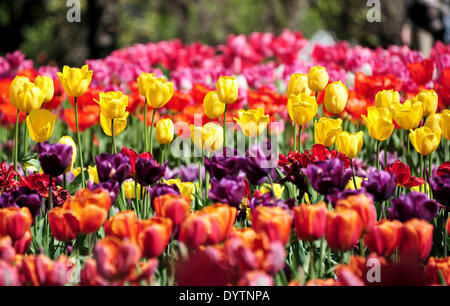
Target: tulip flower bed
(269,160)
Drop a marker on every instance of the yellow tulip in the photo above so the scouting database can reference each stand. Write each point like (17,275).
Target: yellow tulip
(227,89)
(420,188)
(302,108)
(212,106)
(145,80)
(298,83)
(75,81)
(326,130)
(379,122)
(387,98)
(424,140)
(408,114)
(336,96)
(45,84)
(119,124)
(434,123)
(40,123)
(317,78)
(350,144)
(253,121)
(76,171)
(185,188)
(67,140)
(129,190)
(29,97)
(164,131)
(209,137)
(93,174)
(358,181)
(445,124)
(429,100)
(159,93)
(277,189)
(113,104)
(17,86)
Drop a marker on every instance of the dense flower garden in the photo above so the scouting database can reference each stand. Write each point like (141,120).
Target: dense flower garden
(269,160)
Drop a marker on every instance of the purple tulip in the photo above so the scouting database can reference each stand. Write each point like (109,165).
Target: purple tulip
(413,205)
(267,199)
(112,167)
(189,173)
(381,184)
(54,158)
(22,197)
(111,186)
(220,166)
(441,189)
(328,176)
(228,190)
(148,171)
(161,189)
(258,163)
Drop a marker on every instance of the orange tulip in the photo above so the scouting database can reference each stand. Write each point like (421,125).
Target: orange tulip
(223,216)
(344,227)
(154,236)
(384,237)
(22,245)
(437,264)
(63,224)
(310,221)
(276,222)
(123,225)
(174,207)
(39,270)
(416,240)
(364,206)
(15,222)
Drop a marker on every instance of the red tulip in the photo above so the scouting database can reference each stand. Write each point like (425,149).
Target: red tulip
(384,237)
(154,236)
(310,221)
(275,222)
(174,207)
(416,240)
(437,264)
(344,227)
(363,205)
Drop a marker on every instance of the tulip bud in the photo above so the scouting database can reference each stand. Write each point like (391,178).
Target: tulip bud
(113,104)
(298,83)
(17,86)
(154,235)
(40,123)
(350,144)
(129,190)
(159,93)
(379,123)
(145,80)
(434,123)
(75,81)
(408,114)
(344,228)
(302,108)
(29,97)
(445,123)
(45,84)
(326,130)
(274,221)
(310,221)
(384,238)
(429,100)
(164,131)
(336,96)
(387,98)
(317,78)
(253,121)
(424,140)
(227,89)
(415,240)
(67,140)
(209,137)
(174,207)
(212,106)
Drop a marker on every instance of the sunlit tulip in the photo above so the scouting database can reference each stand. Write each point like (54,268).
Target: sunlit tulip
(185,188)
(15,222)
(145,80)
(302,108)
(384,237)
(326,130)
(129,190)
(379,123)
(344,228)
(75,80)
(29,97)
(15,87)
(274,221)
(113,104)
(408,114)
(415,241)
(123,225)
(310,221)
(222,216)
(212,105)
(298,83)
(159,93)
(174,207)
(429,99)
(350,144)
(317,78)
(164,131)
(387,98)
(227,89)
(358,180)
(336,96)
(119,124)
(277,189)
(445,124)
(209,137)
(363,205)
(154,235)
(40,123)
(93,174)
(45,84)
(252,121)
(67,140)
(433,122)
(424,140)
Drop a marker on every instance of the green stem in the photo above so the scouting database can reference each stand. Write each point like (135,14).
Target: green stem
(322,254)
(422,170)
(200,180)
(163,149)
(80,150)
(136,198)
(295,137)
(378,154)
(64,181)
(151,131)
(50,193)
(353,174)
(300,149)
(113,143)
(16,140)
(145,127)
(430,173)
(225,127)
(385,153)
(206,180)
(311,263)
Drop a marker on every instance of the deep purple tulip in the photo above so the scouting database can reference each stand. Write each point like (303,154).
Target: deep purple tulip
(220,166)
(111,186)
(381,184)
(22,197)
(161,189)
(267,199)
(413,205)
(148,171)
(112,167)
(441,189)
(328,176)
(228,190)
(54,158)
(189,173)
(258,163)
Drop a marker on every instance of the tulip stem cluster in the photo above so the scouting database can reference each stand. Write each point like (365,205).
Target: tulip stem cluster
(145,127)
(80,149)
(151,131)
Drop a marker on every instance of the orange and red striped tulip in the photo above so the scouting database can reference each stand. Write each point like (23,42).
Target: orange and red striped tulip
(310,221)
(154,236)
(384,237)
(15,222)
(123,225)
(364,206)
(344,228)
(63,224)
(275,222)
(433,266)
(174,207)
(415,241)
